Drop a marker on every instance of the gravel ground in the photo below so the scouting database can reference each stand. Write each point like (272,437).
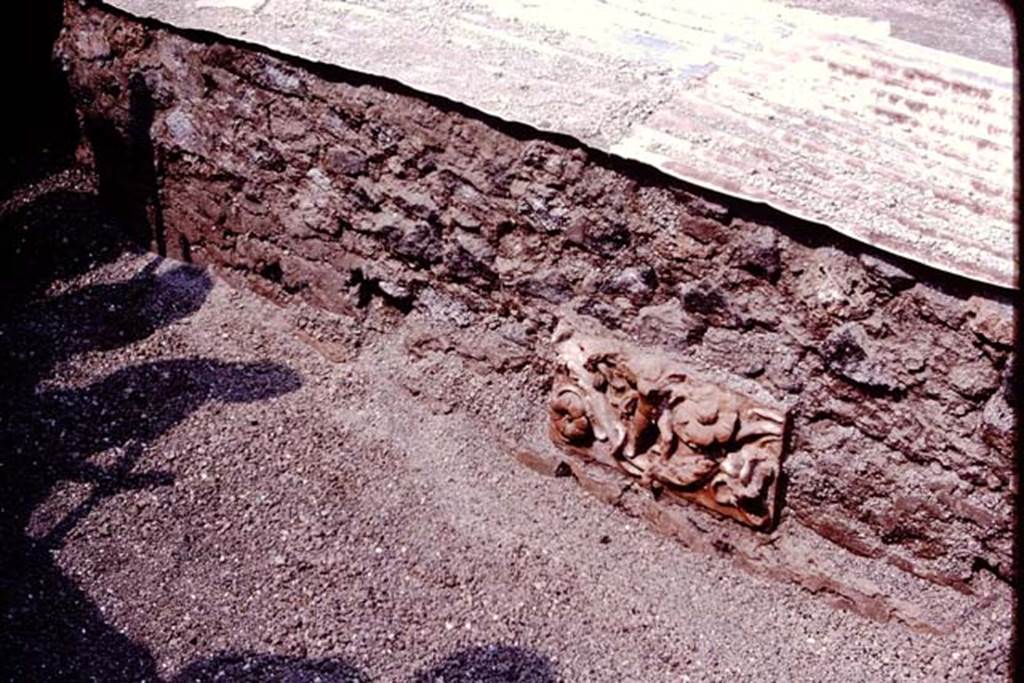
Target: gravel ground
(194,489)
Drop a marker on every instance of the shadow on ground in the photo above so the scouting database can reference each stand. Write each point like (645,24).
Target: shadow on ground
(40,128)
(491,664)
(61,234)
(486,664)
(51,630)
(98,434)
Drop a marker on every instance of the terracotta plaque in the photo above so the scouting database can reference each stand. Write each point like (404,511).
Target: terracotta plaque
(646,415)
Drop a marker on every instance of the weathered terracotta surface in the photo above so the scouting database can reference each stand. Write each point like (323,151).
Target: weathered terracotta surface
(647,415)
(320,187)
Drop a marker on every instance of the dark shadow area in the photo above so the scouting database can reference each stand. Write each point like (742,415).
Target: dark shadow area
(97,317)
(126,168)
(61,234)
(64,229)
(491,664)
(51,630)
(269,669)
(39,131)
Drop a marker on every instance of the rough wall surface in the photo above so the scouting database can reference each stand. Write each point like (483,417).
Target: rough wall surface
(313,184)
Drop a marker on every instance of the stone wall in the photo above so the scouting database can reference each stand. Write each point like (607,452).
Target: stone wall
(310,183)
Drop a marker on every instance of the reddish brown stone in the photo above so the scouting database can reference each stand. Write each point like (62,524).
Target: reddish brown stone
(547,463)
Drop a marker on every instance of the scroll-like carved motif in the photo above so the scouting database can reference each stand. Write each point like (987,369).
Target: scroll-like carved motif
(683,437)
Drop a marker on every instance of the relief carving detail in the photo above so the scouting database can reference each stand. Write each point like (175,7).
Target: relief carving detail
(677,434)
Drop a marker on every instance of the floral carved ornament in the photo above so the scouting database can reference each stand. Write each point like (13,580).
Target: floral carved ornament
(683,437)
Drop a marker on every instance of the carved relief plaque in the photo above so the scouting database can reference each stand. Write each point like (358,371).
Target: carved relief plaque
(677,434)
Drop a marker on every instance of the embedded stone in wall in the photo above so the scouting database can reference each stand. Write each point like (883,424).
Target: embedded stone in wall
(646,415)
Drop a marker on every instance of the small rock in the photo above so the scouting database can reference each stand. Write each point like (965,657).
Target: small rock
(394,290)
(897,278)
(600,236)
(378,223)
(754,369)
(943,307)
(703,300)
(92,45)
(793,386)
(281,79)
(601,482)
(419,242)
(914,360)
(346,162)
(758,251)
(991,320)
(470,259)
(477,246)
(635,282)
(849,353)
(463,219)
(547,463)
(182,131)
(704,230)
(267,157)
(668,321)
(610,315)
(414,203)
(709,302)
(551,286)
(974,380)
(462,266)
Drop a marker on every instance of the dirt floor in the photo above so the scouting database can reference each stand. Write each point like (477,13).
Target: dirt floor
(198,486)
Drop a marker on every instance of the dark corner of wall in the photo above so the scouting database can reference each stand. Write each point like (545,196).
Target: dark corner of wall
(40,131)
